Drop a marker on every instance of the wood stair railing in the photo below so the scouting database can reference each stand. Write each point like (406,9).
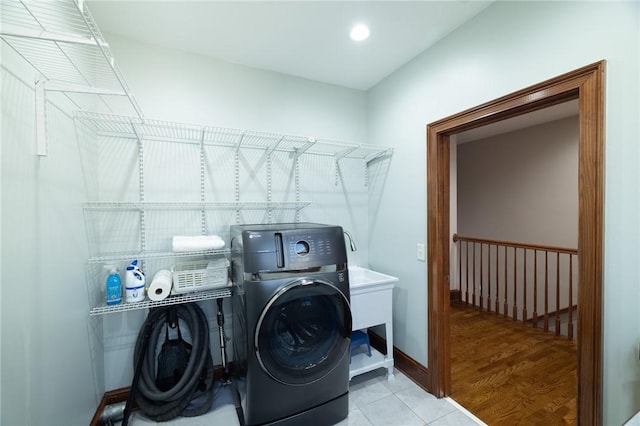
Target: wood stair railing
(530,283)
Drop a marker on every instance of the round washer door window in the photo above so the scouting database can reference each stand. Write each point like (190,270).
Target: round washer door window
(303,332)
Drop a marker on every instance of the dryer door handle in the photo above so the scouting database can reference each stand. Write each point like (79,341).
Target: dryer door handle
(279,250)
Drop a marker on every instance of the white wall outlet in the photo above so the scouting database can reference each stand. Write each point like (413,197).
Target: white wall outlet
(420,252)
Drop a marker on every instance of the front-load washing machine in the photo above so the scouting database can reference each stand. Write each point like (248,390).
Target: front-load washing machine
(291,324)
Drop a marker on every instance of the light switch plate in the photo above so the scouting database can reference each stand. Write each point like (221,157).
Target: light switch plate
(420,252)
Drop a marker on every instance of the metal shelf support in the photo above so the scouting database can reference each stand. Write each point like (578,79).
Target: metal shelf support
(41,117)
(203,213)
(338,156)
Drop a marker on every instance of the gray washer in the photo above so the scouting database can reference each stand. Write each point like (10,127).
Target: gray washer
(291,324)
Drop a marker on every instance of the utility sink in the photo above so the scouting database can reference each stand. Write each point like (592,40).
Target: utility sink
(371,305)
(359,277)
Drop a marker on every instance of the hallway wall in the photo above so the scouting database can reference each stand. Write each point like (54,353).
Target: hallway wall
(521,186)
(509,46)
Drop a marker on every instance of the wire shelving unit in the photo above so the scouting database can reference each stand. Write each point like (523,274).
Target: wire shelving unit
(171,300)
(136,128)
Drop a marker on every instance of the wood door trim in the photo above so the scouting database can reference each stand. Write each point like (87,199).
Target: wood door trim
(587,85)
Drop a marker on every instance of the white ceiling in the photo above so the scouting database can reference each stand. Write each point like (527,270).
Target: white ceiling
(308,39)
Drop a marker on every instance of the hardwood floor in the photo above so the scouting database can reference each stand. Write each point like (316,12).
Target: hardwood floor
(508,373)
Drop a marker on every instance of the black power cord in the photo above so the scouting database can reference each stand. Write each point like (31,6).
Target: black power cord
(223,346)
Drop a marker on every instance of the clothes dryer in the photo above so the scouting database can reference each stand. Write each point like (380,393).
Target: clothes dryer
(292,324)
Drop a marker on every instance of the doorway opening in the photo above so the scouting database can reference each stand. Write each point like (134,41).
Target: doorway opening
(586,85)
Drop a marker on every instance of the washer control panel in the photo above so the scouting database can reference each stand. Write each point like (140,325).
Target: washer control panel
(303,247)
(291,248)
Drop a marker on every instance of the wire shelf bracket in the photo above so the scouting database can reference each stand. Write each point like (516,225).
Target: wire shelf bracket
(41,118)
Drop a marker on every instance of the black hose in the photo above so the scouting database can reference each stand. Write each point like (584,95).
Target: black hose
(195,384)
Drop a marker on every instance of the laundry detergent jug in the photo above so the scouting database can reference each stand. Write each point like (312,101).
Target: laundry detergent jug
(134,283)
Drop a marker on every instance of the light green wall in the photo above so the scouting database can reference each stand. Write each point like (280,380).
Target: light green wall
(507,47)
(1,114)
(46,367)
(179,86)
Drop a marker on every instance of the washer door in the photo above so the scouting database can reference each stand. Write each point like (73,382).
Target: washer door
(303,332)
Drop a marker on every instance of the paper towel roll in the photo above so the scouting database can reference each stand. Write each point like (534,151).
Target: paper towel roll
(182,243)
(160,287)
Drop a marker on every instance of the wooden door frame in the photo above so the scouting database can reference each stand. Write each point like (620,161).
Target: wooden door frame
(587,85)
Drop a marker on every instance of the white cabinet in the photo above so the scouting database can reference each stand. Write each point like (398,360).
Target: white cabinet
(371,305)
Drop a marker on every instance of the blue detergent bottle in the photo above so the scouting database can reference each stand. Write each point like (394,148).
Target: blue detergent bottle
(114,286)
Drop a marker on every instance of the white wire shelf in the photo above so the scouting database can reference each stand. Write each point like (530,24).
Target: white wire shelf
(150,255)
(196,205)
(135,128)
(63,44)
(171,300)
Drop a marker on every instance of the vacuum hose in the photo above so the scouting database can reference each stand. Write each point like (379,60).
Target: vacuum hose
(196,381)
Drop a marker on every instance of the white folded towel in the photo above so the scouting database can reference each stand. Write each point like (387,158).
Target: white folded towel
(197,243)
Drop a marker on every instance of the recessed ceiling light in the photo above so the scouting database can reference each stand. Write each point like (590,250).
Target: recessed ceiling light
(359,32)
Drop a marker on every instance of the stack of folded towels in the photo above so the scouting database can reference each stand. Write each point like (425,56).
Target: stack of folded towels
(197,243)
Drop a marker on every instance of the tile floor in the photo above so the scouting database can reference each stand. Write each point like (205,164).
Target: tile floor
(634,421)
(373,400)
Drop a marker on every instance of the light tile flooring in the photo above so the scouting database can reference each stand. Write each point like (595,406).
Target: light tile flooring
(373,400)
(634,421)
